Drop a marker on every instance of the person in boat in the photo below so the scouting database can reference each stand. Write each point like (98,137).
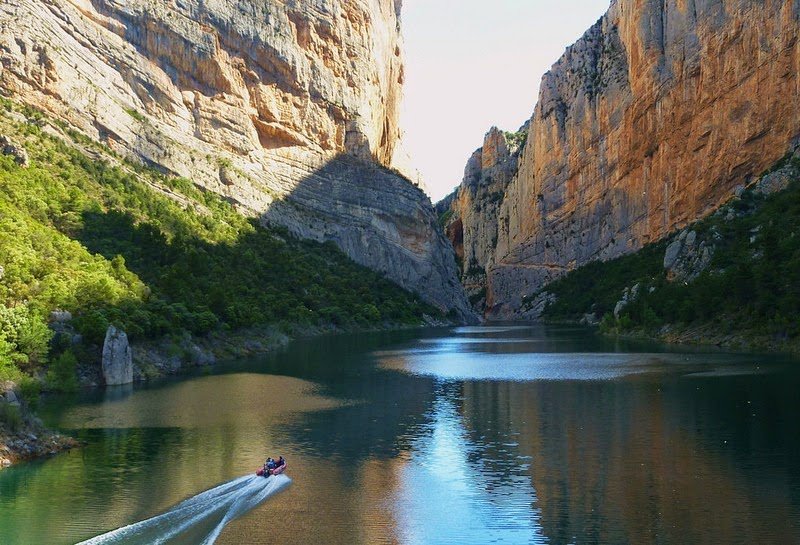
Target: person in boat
(272,465)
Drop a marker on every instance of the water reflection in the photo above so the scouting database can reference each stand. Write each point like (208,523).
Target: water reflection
(674,455)
(473,435)
(457,489)
(632,463)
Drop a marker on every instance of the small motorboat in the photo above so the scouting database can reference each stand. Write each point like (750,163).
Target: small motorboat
(277,470)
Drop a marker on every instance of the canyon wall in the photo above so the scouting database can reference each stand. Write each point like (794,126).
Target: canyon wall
(470,219)
(650,121)
(288,109)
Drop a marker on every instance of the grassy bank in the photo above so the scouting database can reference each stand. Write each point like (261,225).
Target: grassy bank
(747,295)
(112,242)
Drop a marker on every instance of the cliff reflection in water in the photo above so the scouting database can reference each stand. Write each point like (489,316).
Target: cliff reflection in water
(688,447)
(631,462)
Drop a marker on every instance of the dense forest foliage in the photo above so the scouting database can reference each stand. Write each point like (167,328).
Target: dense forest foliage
(84,231)
(751,287)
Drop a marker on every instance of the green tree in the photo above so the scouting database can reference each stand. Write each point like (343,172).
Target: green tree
(61,375)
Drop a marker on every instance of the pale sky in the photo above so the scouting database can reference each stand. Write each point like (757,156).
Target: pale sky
(471,64)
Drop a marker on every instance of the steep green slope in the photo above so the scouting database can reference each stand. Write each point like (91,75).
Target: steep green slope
(749,292)
(83,231)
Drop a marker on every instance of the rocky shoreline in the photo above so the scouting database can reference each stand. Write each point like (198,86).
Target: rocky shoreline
(151,360)
(708,335)
(711,335)
(171,356)
(22,435)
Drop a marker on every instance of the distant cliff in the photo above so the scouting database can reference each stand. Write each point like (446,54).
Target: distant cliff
(650,121)
(283,108)
(469,216)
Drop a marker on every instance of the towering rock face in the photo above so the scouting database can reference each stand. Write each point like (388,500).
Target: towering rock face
(648,122)
(471,212)
(273,104)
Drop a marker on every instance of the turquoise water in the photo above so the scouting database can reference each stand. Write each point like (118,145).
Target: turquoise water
(467,435)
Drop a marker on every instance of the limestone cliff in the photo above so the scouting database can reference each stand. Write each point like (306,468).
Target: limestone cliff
(471,212)
(650,121)
(282,107)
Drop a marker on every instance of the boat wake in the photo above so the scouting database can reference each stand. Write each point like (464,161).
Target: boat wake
(203,516)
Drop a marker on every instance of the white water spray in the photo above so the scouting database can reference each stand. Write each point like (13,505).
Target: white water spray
(217,506)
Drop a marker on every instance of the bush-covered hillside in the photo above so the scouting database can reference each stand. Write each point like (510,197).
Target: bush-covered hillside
(750,289)
(111,242)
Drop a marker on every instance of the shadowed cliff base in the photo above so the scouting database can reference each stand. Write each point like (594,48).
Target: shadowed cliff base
(265,276)
(380,220)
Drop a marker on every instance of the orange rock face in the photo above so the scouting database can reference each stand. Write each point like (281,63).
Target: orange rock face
(647,123)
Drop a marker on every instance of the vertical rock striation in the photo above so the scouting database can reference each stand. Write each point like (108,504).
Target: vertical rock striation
(471,212)
(117,358)
(272,104)
(649,122)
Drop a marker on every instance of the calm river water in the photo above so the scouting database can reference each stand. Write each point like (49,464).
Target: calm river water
(468,435)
